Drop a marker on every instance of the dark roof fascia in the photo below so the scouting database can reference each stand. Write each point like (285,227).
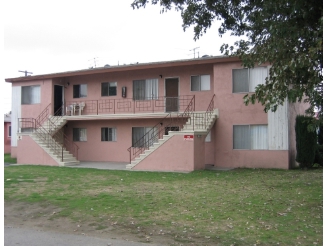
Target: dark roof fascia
(198,61)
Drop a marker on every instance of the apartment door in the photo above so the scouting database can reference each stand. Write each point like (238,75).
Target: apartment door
(58,99)
(172,94)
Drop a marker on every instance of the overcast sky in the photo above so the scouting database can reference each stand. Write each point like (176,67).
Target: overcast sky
(56,36)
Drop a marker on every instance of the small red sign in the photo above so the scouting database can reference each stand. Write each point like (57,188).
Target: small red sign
(188,137)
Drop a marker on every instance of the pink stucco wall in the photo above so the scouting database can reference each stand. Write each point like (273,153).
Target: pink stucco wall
(169,157)
(34,110)
(199,152)
(7,139)
(234,112)
(210,148)
(124,79)
(96,150)
(29,152)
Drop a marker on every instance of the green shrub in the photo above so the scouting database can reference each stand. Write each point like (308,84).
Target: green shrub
(319,151)
(306,142)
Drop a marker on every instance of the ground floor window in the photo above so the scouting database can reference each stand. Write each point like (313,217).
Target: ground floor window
(250,136)
(79,134)
(208,137)
(144,136)
(108,134)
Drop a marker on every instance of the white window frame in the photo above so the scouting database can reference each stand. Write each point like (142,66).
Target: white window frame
(251,142)
(82,135)
(110,85)
(83,91)
(202,82)
(111,137)
(252,79)
(31,94)
(9,131)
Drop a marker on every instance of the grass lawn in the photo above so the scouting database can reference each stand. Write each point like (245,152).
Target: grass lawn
(237,207)
(8,159)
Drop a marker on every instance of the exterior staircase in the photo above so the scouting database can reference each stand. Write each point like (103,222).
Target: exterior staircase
(199,123)
(50,138)
(48,134)
(54,148)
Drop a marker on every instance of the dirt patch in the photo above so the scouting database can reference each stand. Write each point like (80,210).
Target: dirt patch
(43,217)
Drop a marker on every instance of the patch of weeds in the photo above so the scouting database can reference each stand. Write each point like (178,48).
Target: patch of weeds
(101,227)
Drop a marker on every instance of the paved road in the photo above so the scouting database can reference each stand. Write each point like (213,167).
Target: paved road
(14,236)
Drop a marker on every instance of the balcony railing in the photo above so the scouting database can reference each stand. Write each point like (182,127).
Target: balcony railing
(127,106)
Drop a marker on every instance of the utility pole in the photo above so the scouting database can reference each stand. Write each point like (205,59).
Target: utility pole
(194,49)
(26,73)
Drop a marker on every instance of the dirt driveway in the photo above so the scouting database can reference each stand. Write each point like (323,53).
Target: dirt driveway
(30,224)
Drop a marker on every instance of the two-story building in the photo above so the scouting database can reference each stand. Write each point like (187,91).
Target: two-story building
(7,133)
(164,116)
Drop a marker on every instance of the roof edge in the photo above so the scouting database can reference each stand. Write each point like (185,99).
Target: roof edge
(135,66)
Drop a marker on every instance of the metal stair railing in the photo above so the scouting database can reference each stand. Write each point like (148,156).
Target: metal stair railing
(52,138)
(158,131)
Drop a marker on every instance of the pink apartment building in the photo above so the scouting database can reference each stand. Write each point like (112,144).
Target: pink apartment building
(7,133)
(161,116)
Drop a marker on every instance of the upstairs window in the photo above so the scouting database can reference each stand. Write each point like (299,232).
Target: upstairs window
(145,89)
(245,80)
(80,91)
(31,94)
(79,134)
(200,83)
(108,134)
(108,89)
(9,131)
(250,137)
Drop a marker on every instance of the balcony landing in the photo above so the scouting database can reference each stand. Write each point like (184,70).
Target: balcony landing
(121,116)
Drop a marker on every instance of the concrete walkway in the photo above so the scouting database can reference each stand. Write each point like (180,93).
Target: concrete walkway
(21,236)
(119,166)
(102,165)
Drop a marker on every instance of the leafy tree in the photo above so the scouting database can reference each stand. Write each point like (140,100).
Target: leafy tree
(286,33)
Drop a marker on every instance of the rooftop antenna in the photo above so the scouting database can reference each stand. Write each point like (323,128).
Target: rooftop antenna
(194,49)
(95,61)
(26,73)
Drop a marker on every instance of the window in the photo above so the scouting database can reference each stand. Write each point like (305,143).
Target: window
(200,83)
(79,134)
(245,80)
(208,137)
(144,136)
(27,130)
(79,91)
(108,134)
(145,89)
(250,137)
(9,131)
(108,89)
(31,94)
